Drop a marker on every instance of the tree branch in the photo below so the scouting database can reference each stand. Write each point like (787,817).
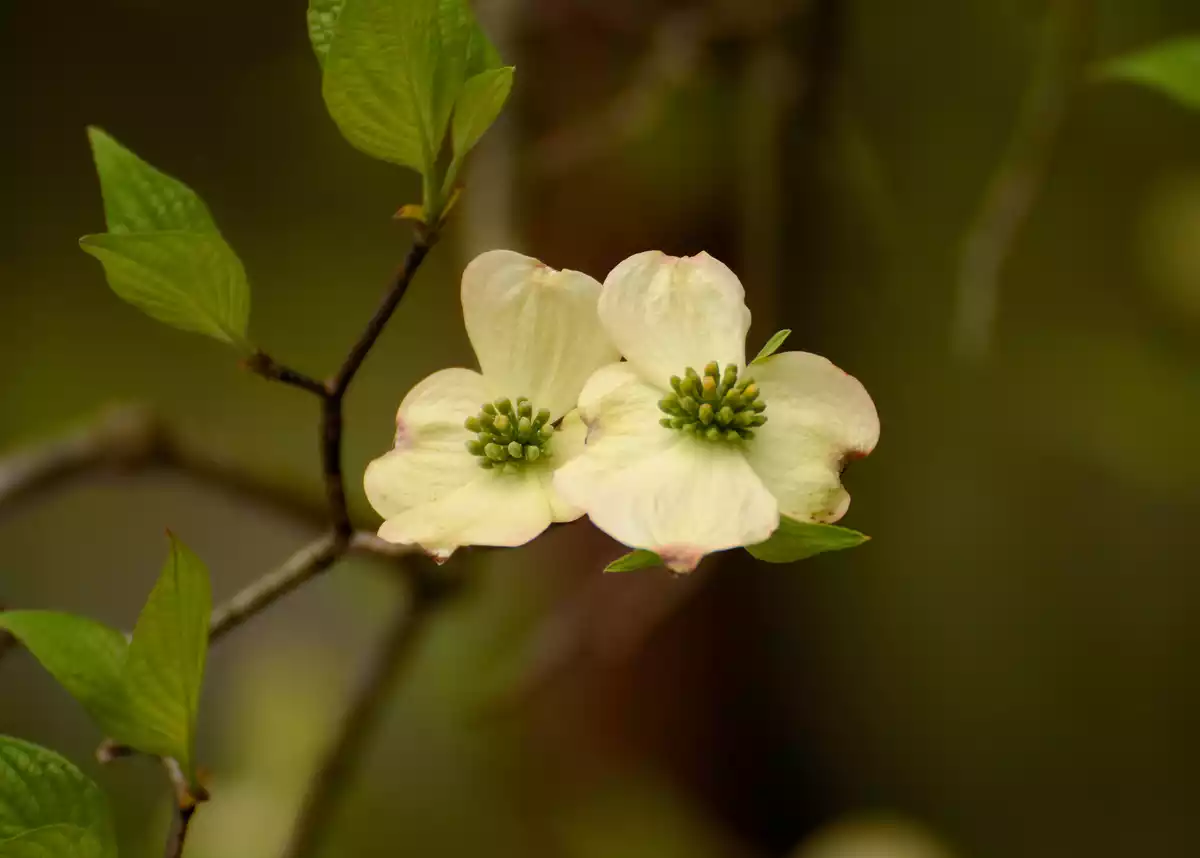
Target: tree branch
(344,758)
(1014,186)
(133,438)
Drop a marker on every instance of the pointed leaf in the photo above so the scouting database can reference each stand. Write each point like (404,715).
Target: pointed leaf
(1171,67)
(394,71)
(86,657)
(772,345)
(797,540)
(189,280)
(163,253)
(139,198)
(634,560)
(48,808)
(322,23)
(165,668)
(477,107)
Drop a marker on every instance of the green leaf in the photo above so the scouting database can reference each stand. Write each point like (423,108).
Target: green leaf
(640,559)
(86,658)
(165,668)
(797,540)
(477,107)
(162,252)
(393,72)
(1171,67)
(322,23)
(48,808)
(139,198)
(772,345)
(189,280)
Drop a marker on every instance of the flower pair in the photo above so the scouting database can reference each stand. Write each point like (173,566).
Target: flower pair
(680,449)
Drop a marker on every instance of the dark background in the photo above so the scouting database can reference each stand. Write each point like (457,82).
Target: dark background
(1009,666)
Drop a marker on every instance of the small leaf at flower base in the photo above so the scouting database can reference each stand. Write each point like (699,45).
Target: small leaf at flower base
(163,252)
(165,668)
(48,808)
(634,560)
(798,540)
(85,657)
(772,345)
(478,105)
(322,23)
(1172,67)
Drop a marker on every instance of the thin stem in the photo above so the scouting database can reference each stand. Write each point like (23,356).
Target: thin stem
(343,760)
(1015,185)
(263,364)
(179,832)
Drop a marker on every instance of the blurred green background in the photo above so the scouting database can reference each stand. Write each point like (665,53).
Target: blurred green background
(1008,669)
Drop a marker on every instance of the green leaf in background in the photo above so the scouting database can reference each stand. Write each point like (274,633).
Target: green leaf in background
(634,560)
(772,345)
(1171,67)
(86,658)
(162,252)
(393,72)
(478,105)
(165,668)
(322,22)
(48,808)
(797,540)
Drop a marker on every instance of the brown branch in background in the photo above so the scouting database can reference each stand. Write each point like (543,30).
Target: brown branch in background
(359,725)
(1022,171)
(133,438)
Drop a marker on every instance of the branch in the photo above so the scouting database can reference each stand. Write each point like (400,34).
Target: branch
(333,392)
(133,438)
(343,760)
(1022,171)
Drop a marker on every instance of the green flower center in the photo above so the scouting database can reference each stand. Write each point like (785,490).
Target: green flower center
(715,406)
(508,438)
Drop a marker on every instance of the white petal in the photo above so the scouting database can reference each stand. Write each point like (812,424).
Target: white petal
(430,459)
(493,509)
(818,417)
(616,399)
(666,314)
(654,488)
(535,330)
(567,443)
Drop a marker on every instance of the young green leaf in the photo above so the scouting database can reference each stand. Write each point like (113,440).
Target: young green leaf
(772,345)
(797,540)
(322,22)
(477,107)
(394,72)
(48,808)
(1172,67)
(162,252)
(189,280)
(86,658)
(165,668)
(634,560)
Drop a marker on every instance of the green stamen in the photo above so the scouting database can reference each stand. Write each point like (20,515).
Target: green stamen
(507,436)
(715,406)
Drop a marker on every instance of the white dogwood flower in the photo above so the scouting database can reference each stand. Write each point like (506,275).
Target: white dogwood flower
(686,454)
(475,452)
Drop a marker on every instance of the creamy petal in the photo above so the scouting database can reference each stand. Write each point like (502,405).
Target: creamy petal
(818,418)
(653,488)
(535,330)
(568,443)
(493,509)
(617,401)
(665,314)
(429,460)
